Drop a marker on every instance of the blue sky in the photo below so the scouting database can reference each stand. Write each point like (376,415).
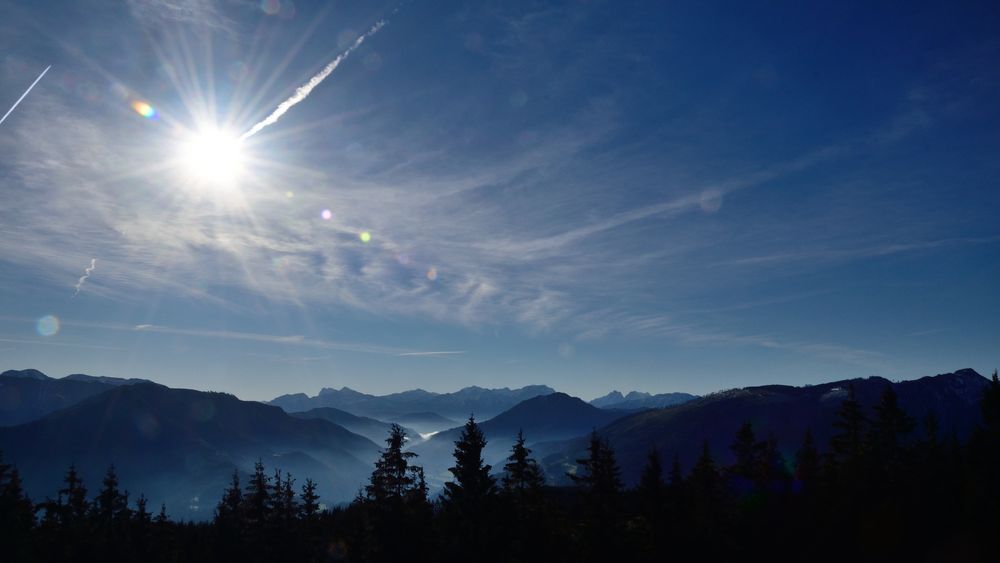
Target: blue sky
(668,196)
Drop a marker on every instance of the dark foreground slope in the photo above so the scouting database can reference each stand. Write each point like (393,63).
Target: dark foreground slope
(180,446)
(778,411)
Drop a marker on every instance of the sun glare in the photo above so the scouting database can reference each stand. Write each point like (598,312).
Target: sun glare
(213,157)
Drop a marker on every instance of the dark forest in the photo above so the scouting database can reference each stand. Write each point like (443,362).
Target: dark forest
(886,487)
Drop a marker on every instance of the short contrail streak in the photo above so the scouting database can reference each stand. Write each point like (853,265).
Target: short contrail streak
(24,94)
(302,91)
(86,274)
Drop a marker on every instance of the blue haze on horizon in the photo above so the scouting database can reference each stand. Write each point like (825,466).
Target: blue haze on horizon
(593,195)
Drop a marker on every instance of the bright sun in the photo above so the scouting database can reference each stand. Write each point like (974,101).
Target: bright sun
(213,157)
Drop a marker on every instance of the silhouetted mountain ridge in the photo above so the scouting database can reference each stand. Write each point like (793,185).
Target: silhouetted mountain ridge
(104,379)
(781,411)
(25,374)
(636,400)
(27,395)
(180,446)
(455,405)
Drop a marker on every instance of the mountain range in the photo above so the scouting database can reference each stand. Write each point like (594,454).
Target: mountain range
(637,400)
(484,403)
(779,411)
(29,394)
(180,446)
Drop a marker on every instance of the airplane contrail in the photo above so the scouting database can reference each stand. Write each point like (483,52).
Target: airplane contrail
(24,94)
(302,91)
(86,274)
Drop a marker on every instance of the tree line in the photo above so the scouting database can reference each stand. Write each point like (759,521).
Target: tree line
(885,487)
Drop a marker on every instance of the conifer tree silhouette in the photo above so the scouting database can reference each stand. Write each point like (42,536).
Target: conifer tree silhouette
(651,483)
(76,506)
(807,463)
(598,473)
(473,483)
(889,425)
(522,476)
(847,446)
(257,500)
(228,512)
(309,507)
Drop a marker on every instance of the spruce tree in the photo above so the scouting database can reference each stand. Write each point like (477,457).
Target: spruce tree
(704,477)
(807,462)
(522,475)
(676,477)
(395,501)
(598,473)
(257,500)
(773,473)
(142,515)
(748,452)
(229,510)
(847,445)
(651,483)
(473,483)
(394,478)
(161,517)
(889,426)
(110,506)
(17,512)
(599,479)
(989,406)
(309,506)
(652,489)
(289,506)
(468,501)
(522,488)
(76,506)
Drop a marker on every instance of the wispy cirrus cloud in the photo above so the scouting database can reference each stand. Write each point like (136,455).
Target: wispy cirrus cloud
(200,12)
(433,354)
(479,217)
(885,249)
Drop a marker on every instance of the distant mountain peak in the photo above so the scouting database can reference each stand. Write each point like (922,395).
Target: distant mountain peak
(639,400)
(963,374)
(25,374)
(611,398)
(455,405)
(104,379)
(342,391)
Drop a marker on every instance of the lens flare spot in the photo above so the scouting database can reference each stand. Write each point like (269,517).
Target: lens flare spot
(147,425)
(326,214)
(365,237)
(710,200)
(289,194)
(270,7)
(432,273)
(47,325)
(144,109)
